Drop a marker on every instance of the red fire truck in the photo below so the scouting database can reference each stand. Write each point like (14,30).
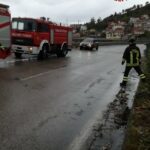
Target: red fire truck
(40,37)
(5,31)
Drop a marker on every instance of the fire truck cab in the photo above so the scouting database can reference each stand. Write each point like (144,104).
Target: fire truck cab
(40,37)
(5,31)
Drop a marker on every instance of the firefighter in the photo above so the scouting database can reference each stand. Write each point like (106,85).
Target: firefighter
(132,57)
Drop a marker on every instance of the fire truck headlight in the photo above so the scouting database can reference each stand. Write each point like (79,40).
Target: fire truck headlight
(30,49)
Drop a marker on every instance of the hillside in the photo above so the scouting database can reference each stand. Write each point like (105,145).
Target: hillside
(125,15)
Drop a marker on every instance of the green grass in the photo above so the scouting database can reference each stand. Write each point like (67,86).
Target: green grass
(138,129)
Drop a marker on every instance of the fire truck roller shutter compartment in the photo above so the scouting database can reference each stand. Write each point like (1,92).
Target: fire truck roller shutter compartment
(5,36)
(5,31)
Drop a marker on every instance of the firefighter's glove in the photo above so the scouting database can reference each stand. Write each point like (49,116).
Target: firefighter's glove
(123,62)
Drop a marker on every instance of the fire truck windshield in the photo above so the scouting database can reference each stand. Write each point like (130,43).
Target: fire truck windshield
(24,25)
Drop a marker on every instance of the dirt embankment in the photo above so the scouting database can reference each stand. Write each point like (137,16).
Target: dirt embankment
(138,129)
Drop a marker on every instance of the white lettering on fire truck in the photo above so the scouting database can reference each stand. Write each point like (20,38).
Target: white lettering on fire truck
(60,30)
(22,35)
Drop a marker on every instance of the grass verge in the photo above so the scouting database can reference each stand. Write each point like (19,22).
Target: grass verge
(138,129)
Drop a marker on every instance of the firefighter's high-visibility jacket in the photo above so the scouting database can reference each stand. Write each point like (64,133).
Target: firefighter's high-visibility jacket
(132,55)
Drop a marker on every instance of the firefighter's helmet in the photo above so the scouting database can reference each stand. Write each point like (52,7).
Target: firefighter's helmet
(132,41)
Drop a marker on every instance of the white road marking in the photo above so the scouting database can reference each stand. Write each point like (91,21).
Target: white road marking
(36,75)
(42,73)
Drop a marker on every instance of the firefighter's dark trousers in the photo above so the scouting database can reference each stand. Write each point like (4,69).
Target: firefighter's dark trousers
(126,73)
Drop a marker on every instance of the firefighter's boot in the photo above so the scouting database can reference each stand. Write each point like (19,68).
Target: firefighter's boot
(123,84)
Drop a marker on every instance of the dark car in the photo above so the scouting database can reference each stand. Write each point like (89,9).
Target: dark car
(89,43)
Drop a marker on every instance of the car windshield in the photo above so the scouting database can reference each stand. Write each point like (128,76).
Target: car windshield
(24,25)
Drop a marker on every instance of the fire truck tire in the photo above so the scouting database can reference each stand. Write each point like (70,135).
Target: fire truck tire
(64,51)
(81,47)
(43,53)
(91,48)
(18,55)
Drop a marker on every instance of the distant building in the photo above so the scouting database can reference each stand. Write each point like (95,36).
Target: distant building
(92,31)
(122,30)
(115,30)
(140,25)
(76,27)
(114,35)
(133,20)
(137,31)
(76,35)
(83,28)
(144,17)
(146,25)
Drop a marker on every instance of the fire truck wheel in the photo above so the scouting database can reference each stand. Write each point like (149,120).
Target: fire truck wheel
(91,48)
(43,53)
(81,47)
(18,55)
(64,51)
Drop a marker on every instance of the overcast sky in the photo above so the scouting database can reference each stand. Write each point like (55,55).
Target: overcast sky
(68,11)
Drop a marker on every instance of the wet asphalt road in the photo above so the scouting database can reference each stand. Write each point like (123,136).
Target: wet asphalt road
(52,104)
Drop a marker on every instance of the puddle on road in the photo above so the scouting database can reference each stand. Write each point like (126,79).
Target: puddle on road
(5,63)
(109,135)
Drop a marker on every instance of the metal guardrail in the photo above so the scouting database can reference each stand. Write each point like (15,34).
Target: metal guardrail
(102,42)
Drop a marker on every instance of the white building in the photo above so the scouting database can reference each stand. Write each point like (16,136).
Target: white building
(83,28)
(146,25)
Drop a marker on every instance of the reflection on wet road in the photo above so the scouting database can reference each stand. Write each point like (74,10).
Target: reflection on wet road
(47,105)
